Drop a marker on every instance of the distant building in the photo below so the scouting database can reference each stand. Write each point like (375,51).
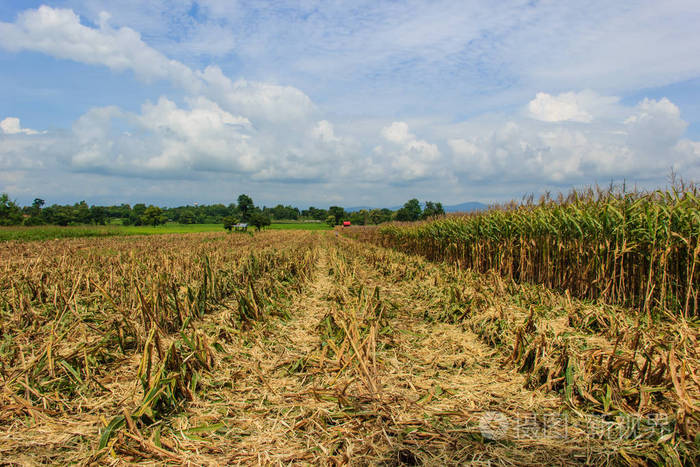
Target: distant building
(240,227)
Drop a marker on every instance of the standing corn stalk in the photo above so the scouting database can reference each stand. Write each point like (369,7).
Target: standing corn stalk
(638,249)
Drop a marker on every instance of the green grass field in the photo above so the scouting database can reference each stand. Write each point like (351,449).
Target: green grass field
(49,232)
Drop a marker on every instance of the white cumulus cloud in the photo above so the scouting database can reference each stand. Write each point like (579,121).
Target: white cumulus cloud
(11,126)
(58,32)
(245,127)
(408,157)
(640,142)
(240,130)
(580,107)
(324,131)
(654,126)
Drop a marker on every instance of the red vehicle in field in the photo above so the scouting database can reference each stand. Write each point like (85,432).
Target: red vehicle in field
(346,223)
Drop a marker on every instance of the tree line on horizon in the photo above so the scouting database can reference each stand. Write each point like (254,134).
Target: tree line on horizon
(244,210)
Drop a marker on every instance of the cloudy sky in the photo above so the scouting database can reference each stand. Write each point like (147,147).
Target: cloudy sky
(350,102)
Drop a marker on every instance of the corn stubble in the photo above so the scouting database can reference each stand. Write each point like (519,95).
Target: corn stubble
(110,329)
(304,348)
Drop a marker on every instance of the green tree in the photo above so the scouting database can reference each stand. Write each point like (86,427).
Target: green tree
(59,215)
(139,209)
(137,212)
(360,217)
(337,212)
(377,216)
(37,204)
(432,210)
(330,220)
(122,211)
(314,213)
(153,215)
(259,220)
(187,216)
(10,213)
(410,211)
(33,220)
(136,215)
(284,212)
(245,207)
(82,212)
(98,215)
(229,222)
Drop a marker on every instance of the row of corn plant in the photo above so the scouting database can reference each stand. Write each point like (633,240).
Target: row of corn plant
(636,249)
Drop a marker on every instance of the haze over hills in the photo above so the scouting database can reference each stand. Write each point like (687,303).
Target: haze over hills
(468,206)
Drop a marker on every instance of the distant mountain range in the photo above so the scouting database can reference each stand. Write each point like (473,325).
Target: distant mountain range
(469,206)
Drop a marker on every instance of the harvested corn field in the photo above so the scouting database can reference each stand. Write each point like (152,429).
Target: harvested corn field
(306,348)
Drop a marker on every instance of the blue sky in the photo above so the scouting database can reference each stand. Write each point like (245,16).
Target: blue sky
(358,103)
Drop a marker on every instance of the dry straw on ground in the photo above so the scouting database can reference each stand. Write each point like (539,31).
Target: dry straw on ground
(300,348)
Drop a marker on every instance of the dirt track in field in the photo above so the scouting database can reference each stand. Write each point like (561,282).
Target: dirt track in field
(427,392)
